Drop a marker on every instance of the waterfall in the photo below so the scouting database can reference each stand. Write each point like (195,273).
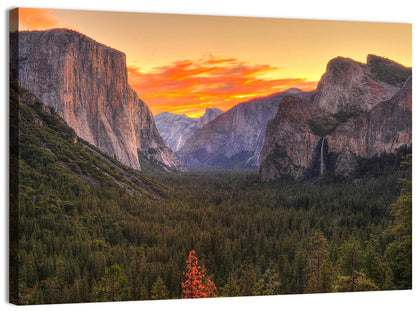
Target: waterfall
(322,157)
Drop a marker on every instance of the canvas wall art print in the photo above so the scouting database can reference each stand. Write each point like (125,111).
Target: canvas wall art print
(164,156)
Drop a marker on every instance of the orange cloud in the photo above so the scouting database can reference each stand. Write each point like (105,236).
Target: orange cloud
(191,86)
(36,19)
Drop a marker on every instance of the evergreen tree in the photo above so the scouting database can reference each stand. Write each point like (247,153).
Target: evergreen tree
(53,292)
(248,279)
(373,261)
(37,296)
(231,288)
(76,291)
(360,283)
(271,283)
(300,269)
(29,271)
(319,265)
(59,280)
(84,287)
(159,289)
(143,292)
(349,263)
(113,286)
(284,271)
(398,254)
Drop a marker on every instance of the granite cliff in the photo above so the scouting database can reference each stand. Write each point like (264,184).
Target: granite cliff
(175,129)
(385,128)
(289,141)
(42,144)
(350,85)
(234,139)
(358,111)
(85,82)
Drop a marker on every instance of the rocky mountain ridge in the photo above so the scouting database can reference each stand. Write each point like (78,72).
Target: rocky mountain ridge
(385,128)
(352,115)
(175,129)
(85,82)
(351,85)
(234,139)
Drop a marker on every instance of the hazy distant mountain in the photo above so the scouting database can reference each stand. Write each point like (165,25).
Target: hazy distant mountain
(175,129)
(234,139)
(85,82)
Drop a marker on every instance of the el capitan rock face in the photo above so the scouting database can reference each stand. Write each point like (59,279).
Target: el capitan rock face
(234,139)
(175,129)
(353,115)
(85,82)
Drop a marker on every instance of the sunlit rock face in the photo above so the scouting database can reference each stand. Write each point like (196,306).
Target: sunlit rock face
(358,111)
(351,85)
(85,82)
(385,128)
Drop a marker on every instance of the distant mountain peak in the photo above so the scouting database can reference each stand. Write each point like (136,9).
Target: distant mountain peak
(210,114)
(292,90)
(207,110)
(175,129)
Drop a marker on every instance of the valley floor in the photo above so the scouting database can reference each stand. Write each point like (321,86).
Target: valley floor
(252,238)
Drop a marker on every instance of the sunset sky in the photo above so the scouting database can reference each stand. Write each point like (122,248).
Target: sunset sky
(186,63)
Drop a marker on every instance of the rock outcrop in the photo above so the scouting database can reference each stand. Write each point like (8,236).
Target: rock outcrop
(41,142)
(388,71)
(350,85)
(385,128)
(234,139)
(358,111)
(289,142)
(175,129)
(85,82)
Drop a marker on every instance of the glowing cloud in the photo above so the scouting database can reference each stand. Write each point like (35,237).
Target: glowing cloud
(36,18)
(191,86)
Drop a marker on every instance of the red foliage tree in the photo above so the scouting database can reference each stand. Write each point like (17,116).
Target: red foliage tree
(196,286)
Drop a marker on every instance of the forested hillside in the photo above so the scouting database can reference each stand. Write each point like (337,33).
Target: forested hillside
(81,221)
